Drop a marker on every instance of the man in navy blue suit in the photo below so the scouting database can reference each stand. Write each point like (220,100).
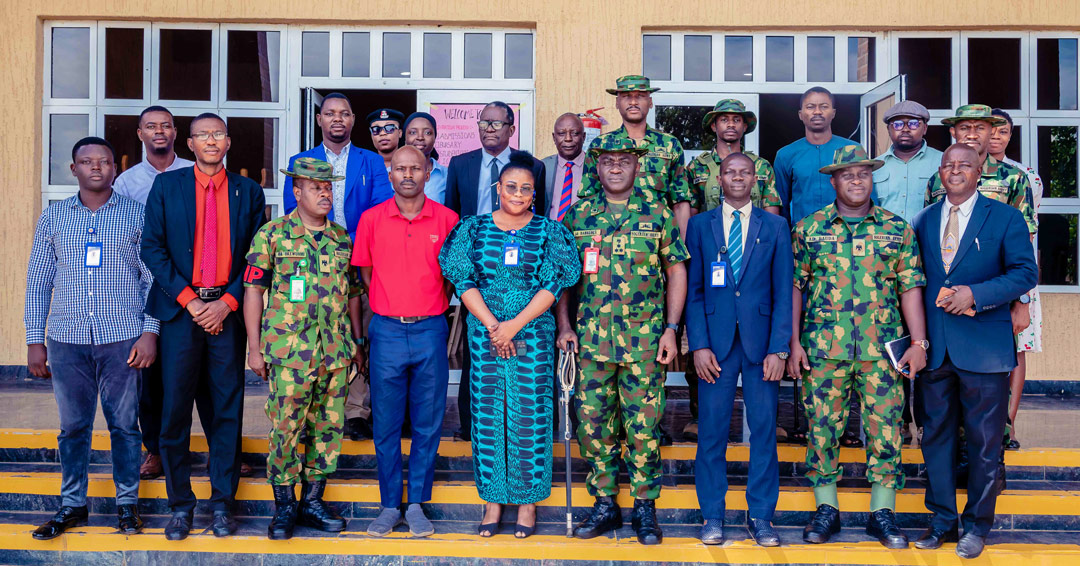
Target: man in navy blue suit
(366,184)
(738,321)
(978,260)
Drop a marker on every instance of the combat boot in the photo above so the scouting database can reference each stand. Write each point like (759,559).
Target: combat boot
(605,516)
(644,522)
(314,512)
(281,526)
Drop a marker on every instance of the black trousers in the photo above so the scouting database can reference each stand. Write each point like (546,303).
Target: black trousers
(188,352)
(948,398)
(151,398)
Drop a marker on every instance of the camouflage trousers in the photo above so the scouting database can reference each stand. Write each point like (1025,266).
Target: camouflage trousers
(612,396)
(311,401)
(826,393)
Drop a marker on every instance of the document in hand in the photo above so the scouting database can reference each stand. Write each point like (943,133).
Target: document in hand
(946,292)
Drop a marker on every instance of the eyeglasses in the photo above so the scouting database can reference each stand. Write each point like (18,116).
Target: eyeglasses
(203,136)
(912,124)
(389,129)
(516,190)
(493,124)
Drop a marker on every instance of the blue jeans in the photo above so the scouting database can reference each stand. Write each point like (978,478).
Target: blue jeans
(80,373)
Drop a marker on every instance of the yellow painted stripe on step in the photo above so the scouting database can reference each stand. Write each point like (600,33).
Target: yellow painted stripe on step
(539,547)
(1019,502)
(1051,457)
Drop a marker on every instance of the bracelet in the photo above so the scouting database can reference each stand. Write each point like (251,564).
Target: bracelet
(492,327)
(670,326)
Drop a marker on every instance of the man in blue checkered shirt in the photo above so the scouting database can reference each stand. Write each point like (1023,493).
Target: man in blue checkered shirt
(87,281)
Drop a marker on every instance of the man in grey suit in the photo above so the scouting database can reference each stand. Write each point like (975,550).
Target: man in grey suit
(565,167)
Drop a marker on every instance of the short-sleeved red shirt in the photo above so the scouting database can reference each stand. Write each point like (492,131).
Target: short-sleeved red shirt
(404,256)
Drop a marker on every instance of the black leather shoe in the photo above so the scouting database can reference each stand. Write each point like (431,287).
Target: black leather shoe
(645,524)
(882,526)
(314,512)
(665,438)
(223,524)
(605,516)
(712,532)
(970,546)
(763,532)
(130,523)
(179,526)
(932,538)
(824,524)
(285,507)
(64,519)
(357,428)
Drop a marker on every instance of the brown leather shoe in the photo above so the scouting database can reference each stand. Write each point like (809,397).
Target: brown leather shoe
(151,467)
(246,471)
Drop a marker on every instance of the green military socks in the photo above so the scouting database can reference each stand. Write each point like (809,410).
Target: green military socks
(882,497)
(826,495)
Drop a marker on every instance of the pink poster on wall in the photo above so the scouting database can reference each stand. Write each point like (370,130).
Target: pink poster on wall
(458,132)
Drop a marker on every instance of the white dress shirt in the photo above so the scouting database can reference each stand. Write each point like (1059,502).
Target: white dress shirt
(340,163)
(135,183)
(962,216)
(744,219)
(435,188)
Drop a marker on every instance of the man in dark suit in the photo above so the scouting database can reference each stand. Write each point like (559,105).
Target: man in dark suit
(977,251)
(738,321)
(470,190)
(564,169)
(199,224)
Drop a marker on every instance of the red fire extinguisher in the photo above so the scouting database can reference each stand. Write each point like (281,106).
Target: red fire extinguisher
(594,123)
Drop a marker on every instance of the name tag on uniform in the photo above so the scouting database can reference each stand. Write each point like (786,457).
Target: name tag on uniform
(592,260)
(297,289)
(719,274)
(511,253)
(93,254)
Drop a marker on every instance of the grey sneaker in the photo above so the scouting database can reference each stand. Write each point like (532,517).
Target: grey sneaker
(384,524)
(419,525)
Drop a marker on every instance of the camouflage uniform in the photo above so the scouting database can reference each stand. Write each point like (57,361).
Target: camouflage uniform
(619,323)
(852,275)
(704,173)
(307,345)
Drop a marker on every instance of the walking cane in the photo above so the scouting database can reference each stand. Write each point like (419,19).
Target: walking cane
(567,373)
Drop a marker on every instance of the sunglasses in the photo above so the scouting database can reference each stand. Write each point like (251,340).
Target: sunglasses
(911,124)
(389,129)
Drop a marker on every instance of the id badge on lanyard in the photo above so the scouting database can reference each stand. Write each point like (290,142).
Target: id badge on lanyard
(297,284)
(93,254)
(511,254)
(719,274)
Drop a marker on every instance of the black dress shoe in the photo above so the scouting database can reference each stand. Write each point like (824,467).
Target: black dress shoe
(712,532)
(64,519)
(605,516)
(130,523)
(357,428)
(179,526)
(665,438)
(763,532)
(643,519)
(932,538)
(314,512)
(464,434)
(970,546)
(882,526)
(223,524)
(824,524)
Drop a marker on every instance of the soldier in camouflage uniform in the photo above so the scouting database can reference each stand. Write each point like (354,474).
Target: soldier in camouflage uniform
(972,126)
(629,246)
(306,344)
(859,266)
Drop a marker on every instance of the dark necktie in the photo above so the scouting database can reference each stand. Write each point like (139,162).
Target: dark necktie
(494,185)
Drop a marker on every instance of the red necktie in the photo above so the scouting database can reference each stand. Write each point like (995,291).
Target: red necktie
(209,250)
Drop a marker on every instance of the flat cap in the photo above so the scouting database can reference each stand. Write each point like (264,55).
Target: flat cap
(908,108)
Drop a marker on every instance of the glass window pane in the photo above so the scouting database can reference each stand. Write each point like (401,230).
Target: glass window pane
(779,58)
(938,137)
(1015,149)
(1057,160)
(254,66)
(478,55)
(437,55)
(356,54)
(862,59)
(124,63)
(820,59)
(120,132)
(927,62)
(64,131)
(1057,74)
(738,58)
(697,58)
(184,67)
(71,63)
(684,122)
(315,54)
(994,72)
(1057,249)
(183,131)
(396,55)
(518,56)
(656,57)
(255,158)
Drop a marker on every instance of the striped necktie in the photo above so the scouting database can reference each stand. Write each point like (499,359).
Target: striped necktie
(567,186)
(735,245)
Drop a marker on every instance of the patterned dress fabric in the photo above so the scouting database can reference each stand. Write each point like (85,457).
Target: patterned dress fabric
(512,401)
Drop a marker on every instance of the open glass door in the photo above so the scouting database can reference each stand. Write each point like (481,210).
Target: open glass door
(874,103)
(312,103)
(457,111)
(680,115)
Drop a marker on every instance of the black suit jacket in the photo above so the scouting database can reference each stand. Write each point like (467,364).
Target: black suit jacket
(169,236)
(463,175)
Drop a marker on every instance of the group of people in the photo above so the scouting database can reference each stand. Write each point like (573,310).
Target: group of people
(818,268)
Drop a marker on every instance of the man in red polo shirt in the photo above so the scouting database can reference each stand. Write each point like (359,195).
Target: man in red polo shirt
(397,249)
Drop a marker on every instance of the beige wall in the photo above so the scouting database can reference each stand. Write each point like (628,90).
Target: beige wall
(598,40)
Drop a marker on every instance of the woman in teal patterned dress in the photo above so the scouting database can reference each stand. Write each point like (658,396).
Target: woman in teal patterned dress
(509,267)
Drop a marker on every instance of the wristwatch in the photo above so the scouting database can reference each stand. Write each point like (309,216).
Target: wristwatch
(782,355)
(670,326)
(1025,299)
(361,341)
(924,343)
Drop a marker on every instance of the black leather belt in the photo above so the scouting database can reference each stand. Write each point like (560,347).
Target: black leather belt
(210,293)
(409,319)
